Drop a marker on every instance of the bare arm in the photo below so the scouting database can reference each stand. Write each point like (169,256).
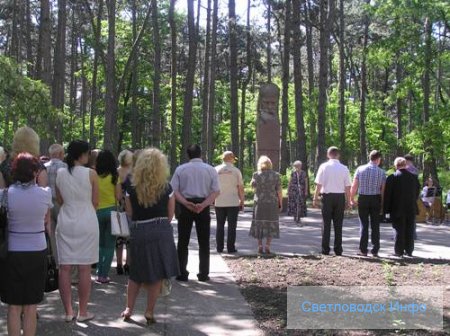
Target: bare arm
(241,194)
(94,182)
(347,196)
(171,208)
(180,198)
(118,192)
(128,207)
(354,190)
(316,194)
(208,201)
(42,179)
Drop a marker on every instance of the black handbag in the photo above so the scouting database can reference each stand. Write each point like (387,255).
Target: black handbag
(4,225)
(51,279)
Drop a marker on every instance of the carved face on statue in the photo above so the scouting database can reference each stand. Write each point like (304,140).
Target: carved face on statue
(268,124)
(268,104)
(268,109)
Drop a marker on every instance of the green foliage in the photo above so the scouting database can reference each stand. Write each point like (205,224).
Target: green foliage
(23,99)
(396,38)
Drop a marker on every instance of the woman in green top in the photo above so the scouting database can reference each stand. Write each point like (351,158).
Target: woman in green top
(109,193)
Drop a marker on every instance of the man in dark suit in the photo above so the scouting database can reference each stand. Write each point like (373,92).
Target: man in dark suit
(400,201)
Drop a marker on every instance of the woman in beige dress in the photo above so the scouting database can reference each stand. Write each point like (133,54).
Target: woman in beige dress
(77,233)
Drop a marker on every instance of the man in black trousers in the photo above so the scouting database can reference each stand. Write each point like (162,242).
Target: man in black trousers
(400,201)
(369,182)
(196,186)
(333,183)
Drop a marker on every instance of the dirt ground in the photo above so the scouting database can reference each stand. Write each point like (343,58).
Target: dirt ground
(263,282)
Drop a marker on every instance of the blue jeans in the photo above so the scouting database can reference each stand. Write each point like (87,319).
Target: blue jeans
(107,242)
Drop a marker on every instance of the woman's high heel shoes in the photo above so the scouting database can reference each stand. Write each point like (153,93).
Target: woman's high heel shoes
(126,314)
(150,320)
(125,269)
(149,317)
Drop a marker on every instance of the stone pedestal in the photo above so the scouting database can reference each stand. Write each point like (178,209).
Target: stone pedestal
(268,124)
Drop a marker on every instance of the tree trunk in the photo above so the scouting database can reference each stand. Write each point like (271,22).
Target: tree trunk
(197,19)
(134,84)
(342,134)
(310,57)
(439,99)
(429,168)
(173,85)
(44,59)
(190,77)
(363,95)
(212,82)
(326,13)
(93,111)
(298,85)
(156,77)
(13,51)
(59,65)
(110,132)
(84,90)
(205,93)
(73,69)
(234,112)
(399,105)
(30,70)
(269,43)
(245,83)
(284,157)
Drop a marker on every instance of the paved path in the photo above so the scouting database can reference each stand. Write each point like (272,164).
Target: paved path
(217,307)
(193,308)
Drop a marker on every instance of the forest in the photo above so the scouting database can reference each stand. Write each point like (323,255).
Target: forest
(358,74)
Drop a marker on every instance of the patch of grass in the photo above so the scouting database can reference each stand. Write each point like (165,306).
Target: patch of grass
(388,273)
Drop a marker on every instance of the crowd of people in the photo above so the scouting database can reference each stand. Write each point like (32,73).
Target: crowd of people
(66,200)
(395,195)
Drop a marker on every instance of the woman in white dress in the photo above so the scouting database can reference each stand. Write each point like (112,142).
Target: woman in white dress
(77,233)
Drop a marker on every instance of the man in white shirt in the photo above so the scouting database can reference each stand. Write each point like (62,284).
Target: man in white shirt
(333,183)
(229,201)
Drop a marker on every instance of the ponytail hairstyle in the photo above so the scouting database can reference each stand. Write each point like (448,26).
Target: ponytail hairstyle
(107,165)
(75,150)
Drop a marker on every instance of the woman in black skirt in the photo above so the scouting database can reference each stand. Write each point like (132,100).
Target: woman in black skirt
(151,204)
(25,265)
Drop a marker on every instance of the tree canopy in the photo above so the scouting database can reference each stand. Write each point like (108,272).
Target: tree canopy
(358,74)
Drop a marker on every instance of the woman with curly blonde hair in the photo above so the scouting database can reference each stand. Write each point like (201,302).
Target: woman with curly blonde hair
(151,205)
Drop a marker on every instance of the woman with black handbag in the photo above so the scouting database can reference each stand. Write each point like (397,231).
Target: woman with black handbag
(25,270)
